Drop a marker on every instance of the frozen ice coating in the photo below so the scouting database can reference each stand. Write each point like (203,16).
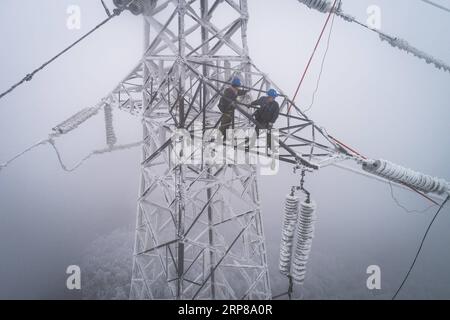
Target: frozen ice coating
(305,235)
(396,42)
(291,211)
(223,231)
(111,138)
(297,236)
(72,124)
(405,46)
(396,173)
(76,120)
(77,165)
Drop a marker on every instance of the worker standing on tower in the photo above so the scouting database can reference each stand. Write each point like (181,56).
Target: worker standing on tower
(267,114)
(227,105)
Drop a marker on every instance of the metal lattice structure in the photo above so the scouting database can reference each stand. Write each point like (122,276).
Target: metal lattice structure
(199,232)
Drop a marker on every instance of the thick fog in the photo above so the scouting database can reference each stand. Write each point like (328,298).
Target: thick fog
(382,101)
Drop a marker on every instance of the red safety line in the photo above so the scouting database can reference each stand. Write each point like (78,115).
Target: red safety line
(313,54)
(422,194)
(347,147)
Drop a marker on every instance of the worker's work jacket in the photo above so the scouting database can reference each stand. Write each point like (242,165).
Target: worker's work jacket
(268,112)
(227,103)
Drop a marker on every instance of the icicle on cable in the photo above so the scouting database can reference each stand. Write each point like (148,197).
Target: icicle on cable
(111,138)
(405,46)
(417,180)
(287,238)
(305,234)
(325,6)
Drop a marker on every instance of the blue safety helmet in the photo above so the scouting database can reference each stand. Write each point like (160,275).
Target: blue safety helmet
(272,93)
(236,82)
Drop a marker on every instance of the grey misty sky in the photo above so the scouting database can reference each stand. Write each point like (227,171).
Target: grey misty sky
(385,103)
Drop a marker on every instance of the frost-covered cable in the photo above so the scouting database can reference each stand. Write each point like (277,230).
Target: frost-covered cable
(31,75)
(51,142)
(287,238)
(405,46)
(90,155)
(305,234)
(33,146)
(71,124)
(399,174)
(111,139)
(436,5)
(326,6)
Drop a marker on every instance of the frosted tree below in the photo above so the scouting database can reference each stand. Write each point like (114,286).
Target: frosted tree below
(107,265)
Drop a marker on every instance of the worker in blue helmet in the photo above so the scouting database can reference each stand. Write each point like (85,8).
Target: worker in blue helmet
(269,110)
(227,104)
(267,114)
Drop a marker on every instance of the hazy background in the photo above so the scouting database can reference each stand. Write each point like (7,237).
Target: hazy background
(385,103)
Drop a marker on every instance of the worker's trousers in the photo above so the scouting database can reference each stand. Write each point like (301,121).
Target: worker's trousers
(226,123)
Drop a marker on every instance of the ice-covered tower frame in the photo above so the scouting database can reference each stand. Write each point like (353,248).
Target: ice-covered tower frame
(199,232)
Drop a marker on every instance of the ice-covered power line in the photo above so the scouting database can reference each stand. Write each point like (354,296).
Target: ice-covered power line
(396,42)
(431,197)
(176,84)
(405,46)
(436,5)
(116,12)
(399,174)
(72,123)
(51,140)
(94,153)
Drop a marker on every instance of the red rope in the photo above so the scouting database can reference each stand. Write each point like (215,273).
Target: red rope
(347,147)
(313,53)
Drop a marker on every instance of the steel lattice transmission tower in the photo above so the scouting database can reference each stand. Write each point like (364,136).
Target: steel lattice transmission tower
(199,232)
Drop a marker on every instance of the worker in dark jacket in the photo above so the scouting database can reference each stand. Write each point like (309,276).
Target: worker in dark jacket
(267,114)
(269,110)
(227,105)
